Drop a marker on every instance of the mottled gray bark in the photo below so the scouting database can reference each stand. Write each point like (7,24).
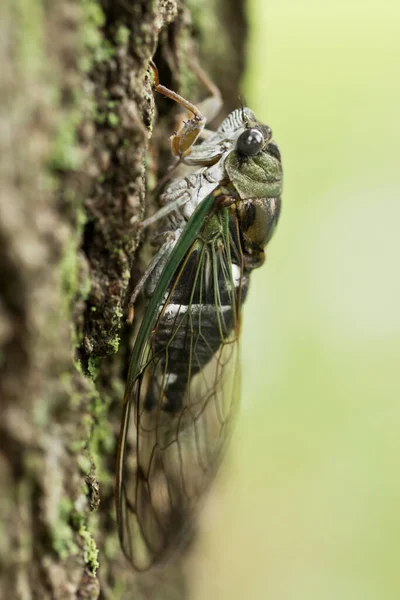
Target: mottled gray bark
(78,141)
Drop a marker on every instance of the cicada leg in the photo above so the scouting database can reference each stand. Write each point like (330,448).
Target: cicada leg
(211,106)
(188,132)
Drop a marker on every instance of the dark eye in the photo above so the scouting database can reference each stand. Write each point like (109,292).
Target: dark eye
(250,142)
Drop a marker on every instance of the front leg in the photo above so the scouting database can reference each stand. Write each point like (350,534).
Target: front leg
(190,130)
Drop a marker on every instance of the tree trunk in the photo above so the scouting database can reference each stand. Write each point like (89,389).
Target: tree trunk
(78,150)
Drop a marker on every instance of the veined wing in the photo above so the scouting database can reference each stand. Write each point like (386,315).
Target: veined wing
(182,388)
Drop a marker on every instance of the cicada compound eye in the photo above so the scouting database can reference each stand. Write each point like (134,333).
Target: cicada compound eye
(250,142)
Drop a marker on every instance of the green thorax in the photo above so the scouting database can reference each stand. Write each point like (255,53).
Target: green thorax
(259,176)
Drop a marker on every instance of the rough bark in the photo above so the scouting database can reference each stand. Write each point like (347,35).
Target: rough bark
(79,145)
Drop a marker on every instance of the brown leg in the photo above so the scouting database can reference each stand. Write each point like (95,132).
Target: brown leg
(183,140)
(189,131)
(211,106)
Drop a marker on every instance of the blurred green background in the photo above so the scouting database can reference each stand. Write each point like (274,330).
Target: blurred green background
(309,505)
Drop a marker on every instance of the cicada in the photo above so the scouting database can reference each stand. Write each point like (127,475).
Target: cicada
(183,385)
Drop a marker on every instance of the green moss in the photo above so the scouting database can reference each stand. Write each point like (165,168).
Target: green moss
(119,312)
(63,542)
(113,344)
(73,282)
(76,446)
(113,119)
(97,48)
(102,440)
(122,36)
(103,435)
(62,533)
(69,389)
(85,287)
(92,37)
(65,153)
(69,273)
(93,366)
(93,13)
(87,421)
(107,115)
(104,51)
(65,507)
(30,37)
(84,463)
(90,551)
(99,117)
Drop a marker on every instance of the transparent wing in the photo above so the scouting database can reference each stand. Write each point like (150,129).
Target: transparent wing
(181,395)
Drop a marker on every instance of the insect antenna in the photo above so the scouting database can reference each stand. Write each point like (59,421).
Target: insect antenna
(243,104)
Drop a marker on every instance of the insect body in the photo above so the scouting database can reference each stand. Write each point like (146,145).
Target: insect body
(183,382)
